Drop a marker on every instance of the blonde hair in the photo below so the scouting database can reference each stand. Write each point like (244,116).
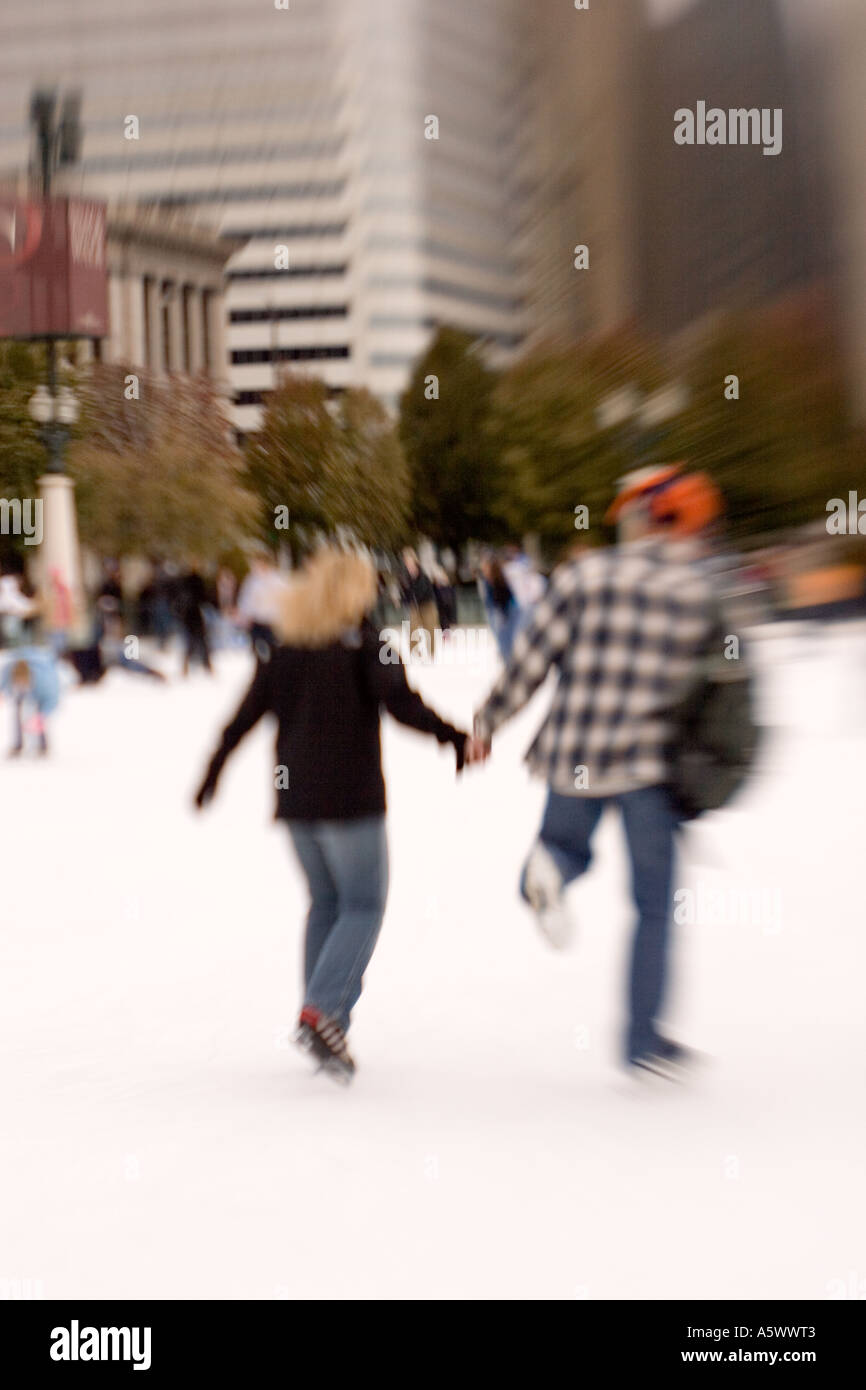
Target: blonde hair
(334,591)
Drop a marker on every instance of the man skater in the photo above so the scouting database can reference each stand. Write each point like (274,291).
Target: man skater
(627,630)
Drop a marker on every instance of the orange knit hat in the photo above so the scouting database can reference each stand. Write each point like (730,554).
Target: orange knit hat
(685,503)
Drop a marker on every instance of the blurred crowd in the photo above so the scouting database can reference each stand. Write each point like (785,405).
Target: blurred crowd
(138,617)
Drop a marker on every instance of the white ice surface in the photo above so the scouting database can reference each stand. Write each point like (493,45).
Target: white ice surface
(160,1137)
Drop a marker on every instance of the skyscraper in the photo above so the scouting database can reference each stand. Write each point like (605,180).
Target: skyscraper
(722,224)
(365,153)
(579,161)
(841,45)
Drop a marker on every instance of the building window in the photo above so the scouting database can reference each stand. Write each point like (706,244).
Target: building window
(257,193)
(293,273)
(277,233)
(247,356)
(292,311)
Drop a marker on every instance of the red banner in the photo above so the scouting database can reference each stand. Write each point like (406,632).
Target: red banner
(53,274)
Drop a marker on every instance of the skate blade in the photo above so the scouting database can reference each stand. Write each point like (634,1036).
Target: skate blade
(554,926)
(339,1075)
(651,1070)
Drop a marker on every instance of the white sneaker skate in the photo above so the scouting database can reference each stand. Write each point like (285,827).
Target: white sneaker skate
(545,892)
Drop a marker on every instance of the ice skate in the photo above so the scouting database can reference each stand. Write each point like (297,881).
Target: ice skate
(544,890)
(667,1059)
(324,1040)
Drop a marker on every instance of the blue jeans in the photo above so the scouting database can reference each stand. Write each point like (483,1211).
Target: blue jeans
(505,627)
(650,823)
(346,866)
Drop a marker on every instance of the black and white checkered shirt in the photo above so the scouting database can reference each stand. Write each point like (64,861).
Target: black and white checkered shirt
(626,630)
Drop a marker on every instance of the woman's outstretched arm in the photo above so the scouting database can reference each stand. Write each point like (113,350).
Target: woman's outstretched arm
(390,688)
(255,703)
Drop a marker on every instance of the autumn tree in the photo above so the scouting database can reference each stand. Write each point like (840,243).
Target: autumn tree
(155,468)
(375,474)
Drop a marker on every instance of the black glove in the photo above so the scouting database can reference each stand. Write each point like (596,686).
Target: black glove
(459,741)
(207,790)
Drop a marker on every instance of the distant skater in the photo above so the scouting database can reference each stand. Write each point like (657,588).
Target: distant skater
(32,684)
(190,600)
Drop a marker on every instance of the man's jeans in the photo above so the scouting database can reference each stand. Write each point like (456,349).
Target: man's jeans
(346,864)
(650,822)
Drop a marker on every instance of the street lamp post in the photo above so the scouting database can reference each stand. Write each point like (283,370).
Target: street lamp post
(55,408)
(58,143)
(55,412)
(59,561)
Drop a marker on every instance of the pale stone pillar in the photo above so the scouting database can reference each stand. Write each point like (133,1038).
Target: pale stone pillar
(219,368)
(196,345)
(133,350)
(114,345)
(59,550)
(157,361)
(175,328)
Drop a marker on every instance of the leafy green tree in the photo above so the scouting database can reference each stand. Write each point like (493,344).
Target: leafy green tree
(777,453)
(334,465)
(784,447)
(555,457)
(289,461)
(454,461)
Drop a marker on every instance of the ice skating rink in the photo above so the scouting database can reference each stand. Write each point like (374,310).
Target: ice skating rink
(161,1138)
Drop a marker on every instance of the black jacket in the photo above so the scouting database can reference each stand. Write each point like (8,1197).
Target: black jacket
(327,701)
(190,596)
(417,588)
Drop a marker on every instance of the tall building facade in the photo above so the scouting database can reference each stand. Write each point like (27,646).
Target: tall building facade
(841,45)
(364,155)
(724,224)
(672,232)
(579,161)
